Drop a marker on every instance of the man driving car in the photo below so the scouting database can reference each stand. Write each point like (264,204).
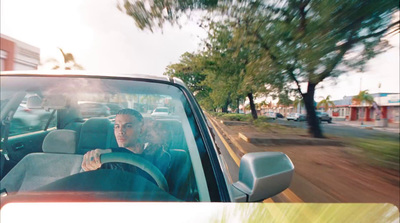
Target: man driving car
(128,129)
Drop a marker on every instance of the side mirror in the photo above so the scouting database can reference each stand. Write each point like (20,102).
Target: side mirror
(264,174)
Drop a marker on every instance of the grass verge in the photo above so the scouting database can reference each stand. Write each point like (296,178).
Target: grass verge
(382,151)
(232,116)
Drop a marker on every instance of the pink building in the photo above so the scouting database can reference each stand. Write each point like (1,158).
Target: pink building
(17,55)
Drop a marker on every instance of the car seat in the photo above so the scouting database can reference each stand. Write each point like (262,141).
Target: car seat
(60,141)
(94,135)
(38,169)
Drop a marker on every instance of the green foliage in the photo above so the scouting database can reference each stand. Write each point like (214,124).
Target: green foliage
(298,101)
(325,103)
(284,99)
(150,14)
(235,117)
(382,151)
(262,47)
(363,96)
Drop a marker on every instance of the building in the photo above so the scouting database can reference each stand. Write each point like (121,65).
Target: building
(389,104)
(17,55)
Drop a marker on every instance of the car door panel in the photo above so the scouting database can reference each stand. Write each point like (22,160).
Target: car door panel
(21,145)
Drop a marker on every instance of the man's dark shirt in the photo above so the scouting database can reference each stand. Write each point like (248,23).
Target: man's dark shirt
(157,155)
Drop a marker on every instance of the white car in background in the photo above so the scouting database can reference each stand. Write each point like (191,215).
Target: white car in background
(296,117)
(160,111)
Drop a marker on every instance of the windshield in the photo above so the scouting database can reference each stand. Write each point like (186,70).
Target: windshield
(81,105)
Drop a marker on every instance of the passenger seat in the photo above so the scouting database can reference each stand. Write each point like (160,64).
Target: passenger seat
(60,141)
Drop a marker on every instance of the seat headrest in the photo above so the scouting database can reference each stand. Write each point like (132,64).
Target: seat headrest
(60,141)
(94,134)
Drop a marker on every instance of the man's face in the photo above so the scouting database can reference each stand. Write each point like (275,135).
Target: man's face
(126,130)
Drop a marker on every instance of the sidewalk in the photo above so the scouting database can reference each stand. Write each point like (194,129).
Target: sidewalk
(392,127)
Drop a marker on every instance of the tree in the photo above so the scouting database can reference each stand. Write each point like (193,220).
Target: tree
(284,99)
(309,41)
(294,41)
(149,14)
(191,70)
(363,96)
(325,103)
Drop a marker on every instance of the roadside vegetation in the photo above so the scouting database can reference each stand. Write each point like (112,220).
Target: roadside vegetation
(380,151)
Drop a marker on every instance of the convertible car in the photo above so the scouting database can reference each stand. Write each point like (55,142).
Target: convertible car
(45,165)
(42,179)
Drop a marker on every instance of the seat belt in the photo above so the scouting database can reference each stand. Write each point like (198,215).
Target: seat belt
(50,119)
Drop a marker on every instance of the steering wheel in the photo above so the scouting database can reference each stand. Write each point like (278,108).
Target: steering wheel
(135,160)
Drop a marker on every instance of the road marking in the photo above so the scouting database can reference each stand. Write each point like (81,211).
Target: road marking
(233,155)
(288,194)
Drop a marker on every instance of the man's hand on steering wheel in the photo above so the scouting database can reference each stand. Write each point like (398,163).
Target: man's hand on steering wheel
(91,159)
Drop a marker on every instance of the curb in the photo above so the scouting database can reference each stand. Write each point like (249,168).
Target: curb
(234,141)
(289,141)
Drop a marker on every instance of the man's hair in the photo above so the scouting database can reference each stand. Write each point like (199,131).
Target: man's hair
(131,112)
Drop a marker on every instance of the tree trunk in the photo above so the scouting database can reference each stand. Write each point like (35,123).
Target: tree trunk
(237,102)
(313,122)
(252,106)
(225,108)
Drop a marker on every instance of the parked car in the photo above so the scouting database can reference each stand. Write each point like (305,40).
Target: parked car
(47,165)
(160,111)
(114,108)
(323,116)
(270,115)
(296,117)
(273,115)
(26,119)
(94,109)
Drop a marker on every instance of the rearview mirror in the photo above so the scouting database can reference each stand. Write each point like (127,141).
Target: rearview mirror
(34,102)
(264,174)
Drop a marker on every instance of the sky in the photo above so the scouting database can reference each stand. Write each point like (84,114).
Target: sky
(102,39)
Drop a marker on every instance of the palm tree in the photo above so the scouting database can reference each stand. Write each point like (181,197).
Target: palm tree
(69,62)
(298,101)
(325,103)
(363,96)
